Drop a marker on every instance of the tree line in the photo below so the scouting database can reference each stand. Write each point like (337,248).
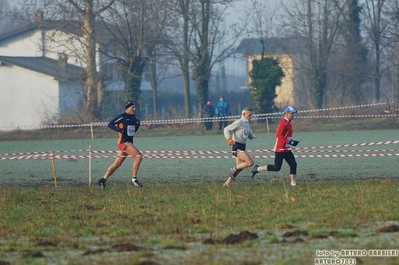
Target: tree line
(348,52)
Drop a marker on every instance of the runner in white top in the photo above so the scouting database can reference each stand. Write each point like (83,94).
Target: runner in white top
(236,135)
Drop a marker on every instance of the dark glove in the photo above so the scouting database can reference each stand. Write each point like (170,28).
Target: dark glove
(293,142)
(137,125)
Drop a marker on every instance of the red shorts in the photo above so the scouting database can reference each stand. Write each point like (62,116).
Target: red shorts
(122,146)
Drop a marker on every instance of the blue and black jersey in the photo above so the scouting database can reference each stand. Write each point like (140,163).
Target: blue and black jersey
(126,125)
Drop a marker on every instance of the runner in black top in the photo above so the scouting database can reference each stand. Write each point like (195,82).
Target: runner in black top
(126,124)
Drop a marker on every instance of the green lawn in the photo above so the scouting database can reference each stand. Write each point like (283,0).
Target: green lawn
(36,171)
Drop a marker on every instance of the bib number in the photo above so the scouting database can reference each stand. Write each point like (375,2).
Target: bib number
(246,133)
(130,130)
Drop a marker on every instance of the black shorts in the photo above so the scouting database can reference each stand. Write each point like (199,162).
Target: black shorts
(237,146)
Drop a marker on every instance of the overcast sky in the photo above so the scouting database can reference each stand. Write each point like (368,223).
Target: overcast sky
(239,7)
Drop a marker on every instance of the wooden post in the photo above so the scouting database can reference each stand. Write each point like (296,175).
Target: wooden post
(91,130)
(267,125)
(89,165)
(54,169)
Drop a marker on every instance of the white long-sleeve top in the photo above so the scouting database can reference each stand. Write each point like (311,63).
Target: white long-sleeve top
(240,130)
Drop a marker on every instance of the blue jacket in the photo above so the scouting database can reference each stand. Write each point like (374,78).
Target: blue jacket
(223,109)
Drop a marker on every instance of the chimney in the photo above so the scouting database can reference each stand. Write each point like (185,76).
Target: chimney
(38,16)
(62,61)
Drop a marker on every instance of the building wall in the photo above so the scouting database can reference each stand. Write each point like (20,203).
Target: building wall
(57,42)
(285,92)
(28,99)
(47,43)
(26,44)
(70,98)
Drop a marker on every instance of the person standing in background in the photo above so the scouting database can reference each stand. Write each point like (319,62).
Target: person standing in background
(209,112)
(223,110)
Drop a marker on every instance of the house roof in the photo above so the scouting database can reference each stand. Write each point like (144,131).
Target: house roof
(69,26)
(47,66)
(22,27)
(275,45)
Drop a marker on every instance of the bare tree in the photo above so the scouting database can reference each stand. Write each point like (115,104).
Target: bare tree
(356,52)
(318,22)
(158,68)
(94,86)
(211,43)
(349,79)
(85,12)
(262,20)
(264,79)
(4,7)
(376,27)
(198,38)
(389,81)
(177,34)
(136,28)
(7,16)
(159,60)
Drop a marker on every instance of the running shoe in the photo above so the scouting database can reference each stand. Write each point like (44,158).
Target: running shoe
(231,174)
(254,171)
(136,183)
(101,183)
(293,184)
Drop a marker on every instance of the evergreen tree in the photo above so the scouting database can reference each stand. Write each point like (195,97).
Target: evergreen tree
(266,74)
(355,55)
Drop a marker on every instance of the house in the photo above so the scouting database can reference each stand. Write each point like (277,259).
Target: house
(285,51)
(35,90)
(42,72)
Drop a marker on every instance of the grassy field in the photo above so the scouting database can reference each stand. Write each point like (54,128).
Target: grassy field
(184,216)
(39,171)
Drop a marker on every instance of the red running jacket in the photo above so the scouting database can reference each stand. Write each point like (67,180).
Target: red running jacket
(283,136)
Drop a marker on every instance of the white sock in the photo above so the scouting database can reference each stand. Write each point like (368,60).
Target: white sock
(134,179)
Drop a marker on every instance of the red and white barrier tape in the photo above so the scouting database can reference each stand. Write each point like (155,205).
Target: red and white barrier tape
(207,152)
(347,116)
(299,149)
(347,151)
(192,154)
(74,157)
(44,152)
(350,145)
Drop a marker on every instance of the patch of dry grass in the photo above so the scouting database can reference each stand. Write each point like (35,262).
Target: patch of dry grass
(184,217)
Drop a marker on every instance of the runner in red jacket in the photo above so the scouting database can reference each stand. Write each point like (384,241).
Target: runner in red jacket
(282,147)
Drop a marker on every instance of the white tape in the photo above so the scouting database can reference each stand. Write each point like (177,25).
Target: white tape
(210,154)
(274,115)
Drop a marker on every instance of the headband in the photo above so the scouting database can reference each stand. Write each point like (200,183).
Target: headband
(129,104)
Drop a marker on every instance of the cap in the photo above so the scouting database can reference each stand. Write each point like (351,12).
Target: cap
(290,109)
(129,104)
